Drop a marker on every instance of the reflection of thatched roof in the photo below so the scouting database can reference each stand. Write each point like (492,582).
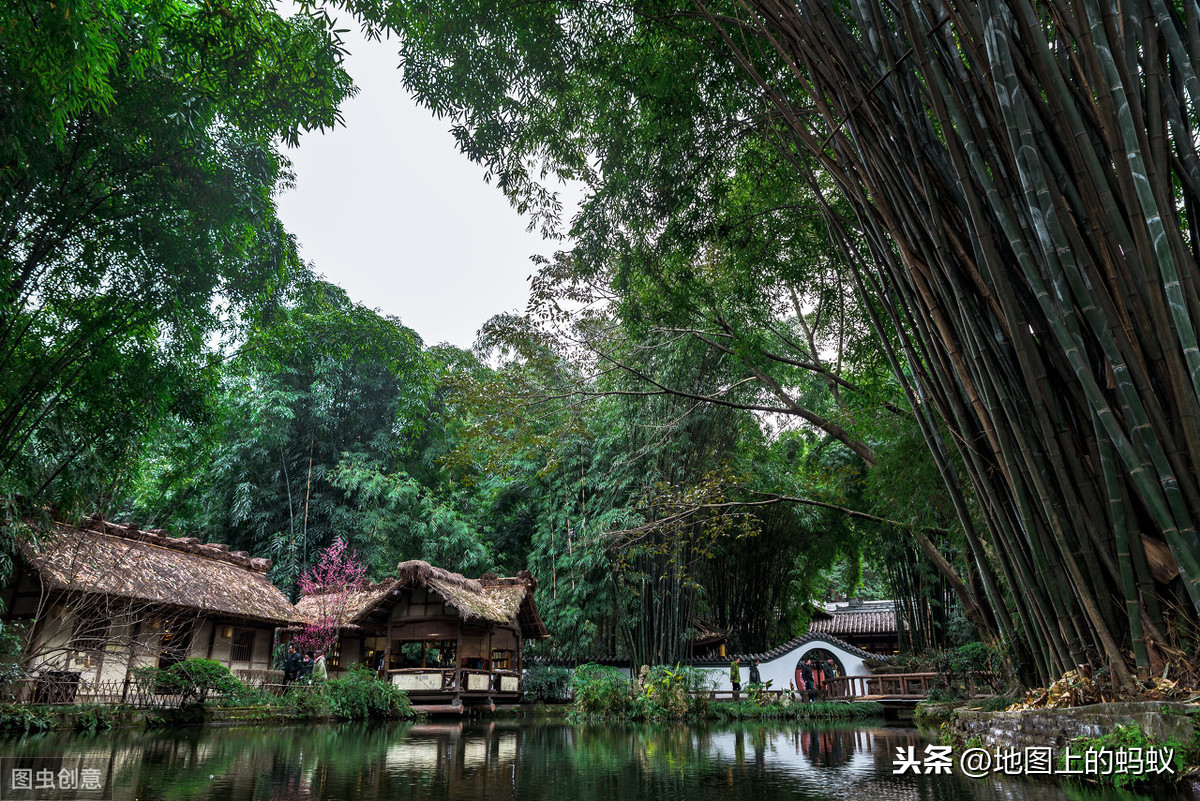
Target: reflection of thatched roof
(149,566)
(489,599)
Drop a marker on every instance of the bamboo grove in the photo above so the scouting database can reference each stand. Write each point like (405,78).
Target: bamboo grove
(1013,187)
(1025,185)
(1008,188)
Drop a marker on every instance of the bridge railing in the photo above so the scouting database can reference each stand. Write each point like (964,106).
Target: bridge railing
(896,684)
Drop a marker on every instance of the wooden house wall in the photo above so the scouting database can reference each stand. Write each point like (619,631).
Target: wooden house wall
(129,640)
(421,614)
(210,642)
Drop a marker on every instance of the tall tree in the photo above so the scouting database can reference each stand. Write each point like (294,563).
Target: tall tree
(319,383)
(1019,184)
(139,155)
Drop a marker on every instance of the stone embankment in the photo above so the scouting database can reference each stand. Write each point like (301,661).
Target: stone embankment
(1176,725)
(1057,727)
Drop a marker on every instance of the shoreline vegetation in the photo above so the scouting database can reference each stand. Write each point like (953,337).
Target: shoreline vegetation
(666,693)
(208,693)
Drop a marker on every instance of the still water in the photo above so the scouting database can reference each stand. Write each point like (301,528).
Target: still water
(500,760)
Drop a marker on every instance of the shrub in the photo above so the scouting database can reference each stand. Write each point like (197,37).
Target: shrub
(25,719)
(10,654)
(601,691)
(96,719)
(307,701)
(251,696)
(358,695)
(191,679)
(960,669)
(547,683)
(667,693)
(674,693)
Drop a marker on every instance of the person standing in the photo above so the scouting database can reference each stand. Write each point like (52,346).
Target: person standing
(755,676)
(806,675)
(735,678)
(305,667)
(291,664)
(319,671)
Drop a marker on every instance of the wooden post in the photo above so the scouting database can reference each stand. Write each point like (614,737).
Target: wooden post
(459,676)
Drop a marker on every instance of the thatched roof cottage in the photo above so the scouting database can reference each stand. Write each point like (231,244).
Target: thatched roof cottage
(101,599)
(444,638)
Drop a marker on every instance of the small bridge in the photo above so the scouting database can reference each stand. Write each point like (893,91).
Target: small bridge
(883,687)
(890,688)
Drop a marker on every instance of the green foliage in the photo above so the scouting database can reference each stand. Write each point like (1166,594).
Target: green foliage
(249,696)
(1124,737)
(996,703)
(192,679)
(759,694)
(97,719)
(546,684)
(974,657)
(673,693)
(666,693)
(358,695)
(336,437)
(25,719)
(10,652)
(601,691)
(307,702)
(139,159)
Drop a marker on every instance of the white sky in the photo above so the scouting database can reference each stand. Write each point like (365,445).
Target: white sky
(388,208)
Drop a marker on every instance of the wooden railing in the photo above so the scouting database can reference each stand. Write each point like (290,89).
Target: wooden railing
(900,685)
(454,680)
(55,691)
(903,685)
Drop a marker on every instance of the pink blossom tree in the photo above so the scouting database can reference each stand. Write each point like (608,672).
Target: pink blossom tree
(331,585)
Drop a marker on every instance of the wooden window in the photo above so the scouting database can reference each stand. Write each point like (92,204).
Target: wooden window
(406,654)
(501,659)
(440,653)
(421,654)
(88,639)
(176,639)
(372,652)
(243,645)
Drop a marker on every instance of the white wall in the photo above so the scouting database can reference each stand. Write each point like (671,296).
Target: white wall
(781,671)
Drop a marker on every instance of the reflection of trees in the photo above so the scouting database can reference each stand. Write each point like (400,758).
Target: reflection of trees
(511,760)
(226,763)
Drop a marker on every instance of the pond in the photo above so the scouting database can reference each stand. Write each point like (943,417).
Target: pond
(504,759)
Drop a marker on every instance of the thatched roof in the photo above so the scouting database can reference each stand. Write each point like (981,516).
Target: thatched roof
(150,566)
(353,608)
(488,599)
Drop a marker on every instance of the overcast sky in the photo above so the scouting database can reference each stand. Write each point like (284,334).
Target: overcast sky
(388,208)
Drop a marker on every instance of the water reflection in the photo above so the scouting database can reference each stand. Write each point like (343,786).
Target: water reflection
(515,760)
